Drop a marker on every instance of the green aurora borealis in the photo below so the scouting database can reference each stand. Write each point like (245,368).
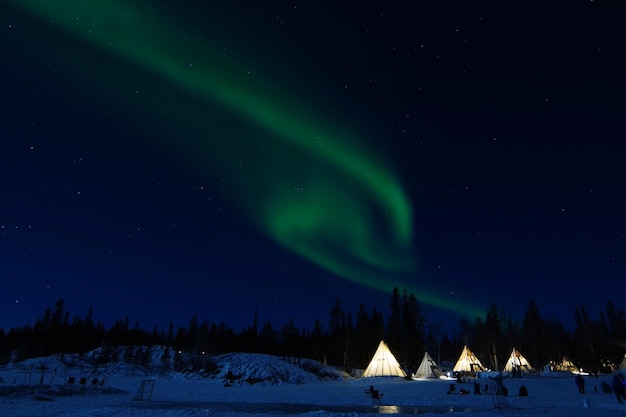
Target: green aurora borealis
(317,188)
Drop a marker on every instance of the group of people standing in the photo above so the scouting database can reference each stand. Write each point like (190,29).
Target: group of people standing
(618,385)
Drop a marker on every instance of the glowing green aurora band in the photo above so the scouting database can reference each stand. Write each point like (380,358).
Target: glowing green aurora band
(308,184)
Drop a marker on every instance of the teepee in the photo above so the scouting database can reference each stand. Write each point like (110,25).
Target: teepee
(428,368)
(517,362)
(566,365)
(467,362)
(383,363)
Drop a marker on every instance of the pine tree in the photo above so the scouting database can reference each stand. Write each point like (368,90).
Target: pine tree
(394,324)
(533,327)
(166,357)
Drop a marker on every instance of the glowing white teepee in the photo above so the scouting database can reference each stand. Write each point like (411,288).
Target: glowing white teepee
(517,361)
(428,368)
(467,362)
(383,363)
(566,365)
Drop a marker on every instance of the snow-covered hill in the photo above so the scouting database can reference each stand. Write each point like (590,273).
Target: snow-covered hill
(96,366)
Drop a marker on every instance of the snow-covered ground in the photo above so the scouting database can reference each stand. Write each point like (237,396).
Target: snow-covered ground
(260,385)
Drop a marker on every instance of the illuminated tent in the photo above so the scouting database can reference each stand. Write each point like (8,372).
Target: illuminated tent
(428,368)
(383,363)
(517,361)
(467,362)
(566,366)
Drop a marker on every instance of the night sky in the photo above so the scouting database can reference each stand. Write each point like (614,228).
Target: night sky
(162,159)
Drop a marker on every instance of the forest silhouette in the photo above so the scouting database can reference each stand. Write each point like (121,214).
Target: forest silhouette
(347,340)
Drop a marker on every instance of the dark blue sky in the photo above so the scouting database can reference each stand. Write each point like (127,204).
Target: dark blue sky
(505,128)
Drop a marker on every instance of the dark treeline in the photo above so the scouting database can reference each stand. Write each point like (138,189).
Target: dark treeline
(347,339)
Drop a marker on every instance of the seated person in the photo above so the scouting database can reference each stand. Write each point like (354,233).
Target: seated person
(476,387)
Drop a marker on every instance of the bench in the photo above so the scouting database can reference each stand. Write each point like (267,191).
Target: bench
(376,395)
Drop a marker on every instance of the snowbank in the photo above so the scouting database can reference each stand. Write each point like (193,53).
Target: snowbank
(260,385)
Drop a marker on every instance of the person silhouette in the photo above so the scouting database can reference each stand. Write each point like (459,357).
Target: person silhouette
(500,390)
(580,383)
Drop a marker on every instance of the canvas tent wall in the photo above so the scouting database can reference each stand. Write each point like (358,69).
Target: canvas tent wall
(468,362)
(566,365)
(428,368)
(518,362)
(383,363)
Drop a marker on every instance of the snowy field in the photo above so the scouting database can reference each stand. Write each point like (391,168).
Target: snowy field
(260,385)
